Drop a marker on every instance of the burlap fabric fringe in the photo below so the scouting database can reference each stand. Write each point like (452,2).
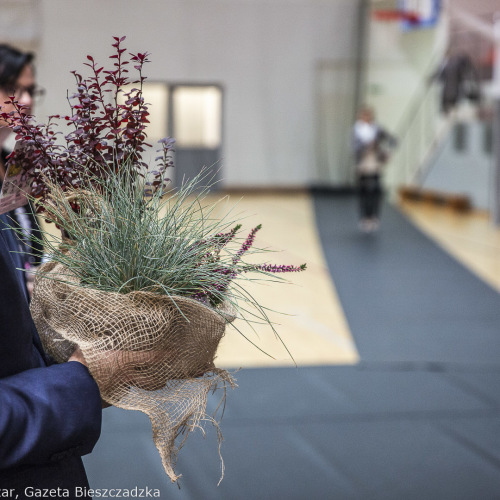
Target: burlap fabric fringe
(146,351)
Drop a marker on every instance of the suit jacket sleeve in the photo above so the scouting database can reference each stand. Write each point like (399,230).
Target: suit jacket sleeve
(47,414)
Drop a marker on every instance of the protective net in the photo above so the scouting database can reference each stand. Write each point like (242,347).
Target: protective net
(147,352)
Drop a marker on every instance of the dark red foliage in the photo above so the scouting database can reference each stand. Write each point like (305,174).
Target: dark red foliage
(105,135)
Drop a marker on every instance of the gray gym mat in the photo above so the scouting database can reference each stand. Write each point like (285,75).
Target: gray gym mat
(405,298)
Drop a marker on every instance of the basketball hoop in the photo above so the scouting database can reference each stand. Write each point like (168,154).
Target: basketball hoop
(396,15)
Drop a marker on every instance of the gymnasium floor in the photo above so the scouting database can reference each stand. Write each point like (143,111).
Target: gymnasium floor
(311,320)
(397,390)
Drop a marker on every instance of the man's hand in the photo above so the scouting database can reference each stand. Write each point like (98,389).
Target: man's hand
(79,357)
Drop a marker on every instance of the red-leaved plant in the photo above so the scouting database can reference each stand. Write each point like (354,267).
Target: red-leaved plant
(108,122)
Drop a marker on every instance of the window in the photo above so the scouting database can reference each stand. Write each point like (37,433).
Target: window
(197,116)
(460,137)
(488,137)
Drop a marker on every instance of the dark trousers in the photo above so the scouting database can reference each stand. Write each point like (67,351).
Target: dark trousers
(370,195)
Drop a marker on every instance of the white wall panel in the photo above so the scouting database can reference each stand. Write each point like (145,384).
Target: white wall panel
(263,53)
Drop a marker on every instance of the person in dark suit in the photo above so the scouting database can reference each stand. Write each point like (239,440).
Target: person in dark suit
(17,78)
(50,414)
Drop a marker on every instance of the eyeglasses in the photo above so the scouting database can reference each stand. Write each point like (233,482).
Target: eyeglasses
(33,91)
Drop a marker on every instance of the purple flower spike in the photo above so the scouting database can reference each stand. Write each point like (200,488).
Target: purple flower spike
(273,268)
(223,276)
(247,245)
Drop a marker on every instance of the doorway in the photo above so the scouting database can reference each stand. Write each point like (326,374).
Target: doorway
(192,115)
(195,121)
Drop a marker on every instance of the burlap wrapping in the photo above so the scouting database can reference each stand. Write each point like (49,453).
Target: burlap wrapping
(145,352)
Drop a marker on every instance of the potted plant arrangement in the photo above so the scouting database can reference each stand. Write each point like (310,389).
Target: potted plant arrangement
(144,280)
